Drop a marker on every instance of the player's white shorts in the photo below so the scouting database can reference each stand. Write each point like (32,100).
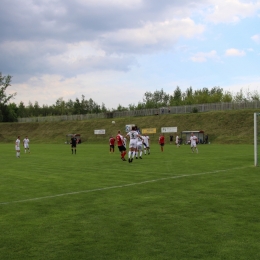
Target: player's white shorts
(146,144)
(193,145)
(133,143)
(139,146)
(17,148)
(26,146)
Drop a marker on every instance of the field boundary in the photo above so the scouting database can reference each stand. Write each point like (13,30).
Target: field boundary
(121,186)
(221,106)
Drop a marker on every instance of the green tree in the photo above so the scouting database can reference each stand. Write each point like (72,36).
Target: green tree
(60,106)
(176,99)
(77,107)
(5,82)
(21,110)
(188,98)
(157,99)
(12,111)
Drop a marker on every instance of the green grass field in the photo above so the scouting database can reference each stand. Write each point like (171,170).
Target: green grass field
(170,205)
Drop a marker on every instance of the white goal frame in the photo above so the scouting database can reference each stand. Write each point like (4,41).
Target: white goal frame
(255,137)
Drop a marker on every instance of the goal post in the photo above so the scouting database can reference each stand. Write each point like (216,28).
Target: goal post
(256,136)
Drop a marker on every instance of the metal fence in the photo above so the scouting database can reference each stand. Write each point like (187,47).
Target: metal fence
(149,112)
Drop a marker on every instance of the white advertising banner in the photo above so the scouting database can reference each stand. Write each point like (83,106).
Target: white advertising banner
(169,129)
(100,132)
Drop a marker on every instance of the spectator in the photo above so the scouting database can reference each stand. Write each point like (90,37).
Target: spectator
(171,138)
(206,138)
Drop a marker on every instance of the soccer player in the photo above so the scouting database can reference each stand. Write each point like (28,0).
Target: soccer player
(121,145)
(161,141)
(193,143)
(177,141)
(26,142)
(132,135)
(139,148)
(146,142)
(112,144)
(171,138)
(73,142)
(17,147)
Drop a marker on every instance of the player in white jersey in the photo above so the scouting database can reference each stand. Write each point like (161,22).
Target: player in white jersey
(132,135)
(139,148)
(125,141)
(17,147)
(177,141)
(193,143)
(26,142)
(146,141)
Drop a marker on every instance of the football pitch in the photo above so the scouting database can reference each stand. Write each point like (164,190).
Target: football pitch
(169,205)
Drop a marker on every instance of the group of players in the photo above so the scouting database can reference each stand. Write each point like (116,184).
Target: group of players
(26,142)
(136,144)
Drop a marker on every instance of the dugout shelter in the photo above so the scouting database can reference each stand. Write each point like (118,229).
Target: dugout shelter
(68,137)
(185,135)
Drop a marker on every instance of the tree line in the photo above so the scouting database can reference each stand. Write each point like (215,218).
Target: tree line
(10,111)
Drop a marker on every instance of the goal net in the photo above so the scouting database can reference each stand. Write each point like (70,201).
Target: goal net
(256,138)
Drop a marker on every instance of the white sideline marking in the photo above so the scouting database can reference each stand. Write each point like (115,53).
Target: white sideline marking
(116,187)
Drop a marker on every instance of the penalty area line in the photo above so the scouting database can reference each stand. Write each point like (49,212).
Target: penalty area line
(118,186)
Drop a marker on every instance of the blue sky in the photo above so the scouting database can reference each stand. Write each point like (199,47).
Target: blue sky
(114,51)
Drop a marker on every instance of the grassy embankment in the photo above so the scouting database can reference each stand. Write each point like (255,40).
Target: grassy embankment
(228,127)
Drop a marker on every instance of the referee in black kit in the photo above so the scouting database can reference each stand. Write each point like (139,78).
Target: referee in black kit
(73,142)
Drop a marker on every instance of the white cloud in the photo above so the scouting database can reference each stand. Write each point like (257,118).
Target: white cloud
(247,86)
(102,87)
(256,38)
(151,35)
(204,56)
(117,3)
(231,11)
(235,52)
(98,47)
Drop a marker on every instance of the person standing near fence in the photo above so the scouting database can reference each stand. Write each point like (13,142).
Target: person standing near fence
(171,138)
(17,147)
(177,141)
(206,138)
(26,142)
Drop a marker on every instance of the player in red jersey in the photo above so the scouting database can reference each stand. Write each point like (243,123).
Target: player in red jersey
(112,144)
(121,145)
(161,141)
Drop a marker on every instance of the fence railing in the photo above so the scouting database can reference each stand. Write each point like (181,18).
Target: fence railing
(149,112)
